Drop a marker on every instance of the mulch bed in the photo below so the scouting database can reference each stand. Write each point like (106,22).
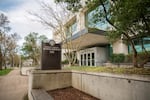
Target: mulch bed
(70,94)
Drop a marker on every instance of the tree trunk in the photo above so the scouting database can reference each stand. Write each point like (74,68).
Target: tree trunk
(5,63)
(0,60)
(12,61)
(135,55)
(70,64)
(135,63)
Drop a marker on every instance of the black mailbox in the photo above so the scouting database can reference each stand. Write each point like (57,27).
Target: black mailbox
(51,55)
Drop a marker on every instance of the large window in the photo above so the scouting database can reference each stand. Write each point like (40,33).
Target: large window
(92,23)
(71,29)
(138,44)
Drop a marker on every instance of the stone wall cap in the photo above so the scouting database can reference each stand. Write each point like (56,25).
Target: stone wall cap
(102,74)
(121,76)
(49,71)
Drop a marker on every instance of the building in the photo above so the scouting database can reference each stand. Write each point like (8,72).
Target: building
(94,48)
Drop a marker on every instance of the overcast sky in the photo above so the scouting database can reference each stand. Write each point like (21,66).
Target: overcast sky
(20,20)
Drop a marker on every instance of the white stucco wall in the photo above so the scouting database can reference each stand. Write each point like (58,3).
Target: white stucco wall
(120,47)
(101,56)
(80,20)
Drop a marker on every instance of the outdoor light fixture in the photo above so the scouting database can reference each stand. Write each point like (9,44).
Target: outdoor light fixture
(52,42)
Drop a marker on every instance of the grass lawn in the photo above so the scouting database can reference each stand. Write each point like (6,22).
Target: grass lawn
(4,71)
(141,71)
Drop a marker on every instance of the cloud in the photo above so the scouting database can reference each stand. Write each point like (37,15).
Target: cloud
(21,21)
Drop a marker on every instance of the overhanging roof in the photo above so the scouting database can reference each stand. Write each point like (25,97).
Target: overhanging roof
(88,37)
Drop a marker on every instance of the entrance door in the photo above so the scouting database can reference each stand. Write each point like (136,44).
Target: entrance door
(87,59)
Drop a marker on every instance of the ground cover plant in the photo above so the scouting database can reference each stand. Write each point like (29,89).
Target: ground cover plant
(116,70)
(4,72)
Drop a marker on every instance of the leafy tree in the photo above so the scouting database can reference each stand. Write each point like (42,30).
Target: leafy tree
(12,49)
(8,47)
(3,29)
(31,47)
(132,20)
(128,18)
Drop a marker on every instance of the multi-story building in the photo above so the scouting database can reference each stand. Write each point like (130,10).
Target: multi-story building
(94,48)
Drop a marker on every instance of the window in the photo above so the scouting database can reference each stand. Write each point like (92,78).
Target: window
(93,59)
(87,59)
(101,24)
(71,29)
(84,59)
(81,60)
(138,44)
(89,62)
(146,40)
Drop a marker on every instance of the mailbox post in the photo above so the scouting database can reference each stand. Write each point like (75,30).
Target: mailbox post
(51,55)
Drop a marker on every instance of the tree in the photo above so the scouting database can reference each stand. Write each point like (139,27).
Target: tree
(55,18)
(8,47)
(31,49)
(12,48)
(3,29)
(132,18)
(128,18)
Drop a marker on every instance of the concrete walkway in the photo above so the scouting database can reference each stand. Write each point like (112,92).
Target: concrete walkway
(13,86)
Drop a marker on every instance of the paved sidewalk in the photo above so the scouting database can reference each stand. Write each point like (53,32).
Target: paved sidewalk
(13,86)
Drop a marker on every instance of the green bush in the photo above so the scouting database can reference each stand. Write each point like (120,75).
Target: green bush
(117,58)
(65,62)
(128,58)
(140,58)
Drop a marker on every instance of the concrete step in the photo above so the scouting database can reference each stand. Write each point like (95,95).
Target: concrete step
(40,94)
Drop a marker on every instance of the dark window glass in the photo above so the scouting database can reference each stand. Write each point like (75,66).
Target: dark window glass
(89,62)
(81,60)
(93,59)
(85,59)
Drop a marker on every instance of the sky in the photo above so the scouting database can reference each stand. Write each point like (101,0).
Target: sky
(21,21)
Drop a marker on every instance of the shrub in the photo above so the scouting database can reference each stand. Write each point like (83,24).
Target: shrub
(140,58)
(65,62)
(117,58)
(128,58)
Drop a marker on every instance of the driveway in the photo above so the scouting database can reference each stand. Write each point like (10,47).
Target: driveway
(13,86)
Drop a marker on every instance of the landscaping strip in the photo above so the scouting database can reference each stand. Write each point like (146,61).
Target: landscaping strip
(139,71)
(5,71)
(70,94)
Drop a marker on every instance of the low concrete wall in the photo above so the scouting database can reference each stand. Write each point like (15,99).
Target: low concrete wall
(48,80)
(112,87)
(26,70)
(101,85)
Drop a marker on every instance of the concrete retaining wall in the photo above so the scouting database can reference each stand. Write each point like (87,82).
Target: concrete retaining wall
(101,85)
(48,80)
(112,87)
